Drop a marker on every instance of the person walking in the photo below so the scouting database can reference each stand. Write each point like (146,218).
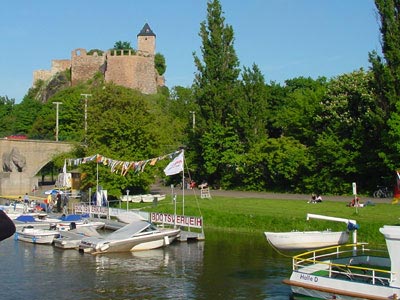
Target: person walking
(59,202)
(65,204)
(26,202)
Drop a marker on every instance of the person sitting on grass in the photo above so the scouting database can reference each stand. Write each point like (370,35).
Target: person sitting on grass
(313,199)
(355,202)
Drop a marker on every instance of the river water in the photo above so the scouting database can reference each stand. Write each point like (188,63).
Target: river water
(224,266)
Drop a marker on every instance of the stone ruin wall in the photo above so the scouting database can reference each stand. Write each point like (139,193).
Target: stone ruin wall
(57,65)
(83,66)
(135,71)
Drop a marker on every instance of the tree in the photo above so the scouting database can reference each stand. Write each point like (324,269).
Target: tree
(159,61)
(125,125)
(387,80)
(124,46)
(6,116)
(348,139)
(276,164)
(120,45)
(215,90)
(216,82)
(25,114)
(296,114)
(252,109)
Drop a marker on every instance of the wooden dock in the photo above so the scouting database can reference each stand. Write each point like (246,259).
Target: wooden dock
(190,235)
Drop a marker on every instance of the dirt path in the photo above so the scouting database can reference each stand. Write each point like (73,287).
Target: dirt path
(266,195)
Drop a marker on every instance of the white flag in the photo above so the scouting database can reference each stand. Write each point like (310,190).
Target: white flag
(65,167)
(175,166)
(64,175)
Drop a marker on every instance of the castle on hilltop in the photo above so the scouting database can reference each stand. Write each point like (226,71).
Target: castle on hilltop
(131,69)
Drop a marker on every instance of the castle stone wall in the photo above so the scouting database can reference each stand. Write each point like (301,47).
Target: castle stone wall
(135,71)
(60,65)
(57,65)
(132,71)
(83,66)
(41,75)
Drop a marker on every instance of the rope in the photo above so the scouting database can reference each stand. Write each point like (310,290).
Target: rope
(277,250)
(195,196)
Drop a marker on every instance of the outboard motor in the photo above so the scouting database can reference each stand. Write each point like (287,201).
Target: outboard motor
(72,225)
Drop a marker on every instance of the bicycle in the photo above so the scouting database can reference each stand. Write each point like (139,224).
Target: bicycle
(383,192)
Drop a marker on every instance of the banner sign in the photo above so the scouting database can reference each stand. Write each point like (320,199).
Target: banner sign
(90,209)
(195,222)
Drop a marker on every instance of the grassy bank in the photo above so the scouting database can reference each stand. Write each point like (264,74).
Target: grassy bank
(249,215)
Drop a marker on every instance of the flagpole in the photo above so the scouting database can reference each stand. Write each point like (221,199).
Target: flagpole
(183,192)
(183,182)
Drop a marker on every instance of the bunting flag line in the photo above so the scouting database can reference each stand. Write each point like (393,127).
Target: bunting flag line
(121,167)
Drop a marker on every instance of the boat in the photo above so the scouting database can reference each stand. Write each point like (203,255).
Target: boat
(307,240)
(64,222)
(351,271)
(35,235)
(303,240)
(142,198)
(129,217)
(137,235)
(70,239)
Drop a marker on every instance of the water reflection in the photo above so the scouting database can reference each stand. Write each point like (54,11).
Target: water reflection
(225,266)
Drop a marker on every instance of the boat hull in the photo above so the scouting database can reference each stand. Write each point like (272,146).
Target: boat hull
(303,240)
(330,288)
(36,236)
(344,272)
(137,243)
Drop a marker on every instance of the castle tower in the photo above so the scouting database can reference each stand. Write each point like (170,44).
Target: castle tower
(146,40)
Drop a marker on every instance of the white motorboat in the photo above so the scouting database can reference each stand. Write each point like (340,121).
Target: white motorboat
(303,240)
(138,235)
(64,223)
(349,271)
(35,235)
(70,239)
(307,240)
(146,198)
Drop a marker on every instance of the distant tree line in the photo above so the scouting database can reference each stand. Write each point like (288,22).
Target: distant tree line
(306,135)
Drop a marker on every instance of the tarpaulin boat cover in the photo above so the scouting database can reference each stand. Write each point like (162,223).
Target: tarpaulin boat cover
(25,218)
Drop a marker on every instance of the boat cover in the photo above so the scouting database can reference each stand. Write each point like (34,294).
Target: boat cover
(71,218)
(25,218)
(129,230)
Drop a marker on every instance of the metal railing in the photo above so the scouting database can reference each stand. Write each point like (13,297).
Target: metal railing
(347,262)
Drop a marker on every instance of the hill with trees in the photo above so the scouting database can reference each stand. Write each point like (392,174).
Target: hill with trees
(307,135)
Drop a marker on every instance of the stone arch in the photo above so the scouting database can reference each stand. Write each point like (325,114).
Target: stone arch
(36,153)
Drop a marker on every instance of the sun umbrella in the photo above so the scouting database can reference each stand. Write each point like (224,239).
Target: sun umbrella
(51,192)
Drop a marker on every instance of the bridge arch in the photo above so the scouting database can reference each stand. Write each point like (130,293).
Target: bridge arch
(21,160)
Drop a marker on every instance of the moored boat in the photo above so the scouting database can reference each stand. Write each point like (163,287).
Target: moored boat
(64,223)
(307,240)
(35,235)
(138,235)
(350,271)
(303,240)
(70,239)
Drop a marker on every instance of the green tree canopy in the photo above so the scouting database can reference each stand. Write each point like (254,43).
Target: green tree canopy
(159,61)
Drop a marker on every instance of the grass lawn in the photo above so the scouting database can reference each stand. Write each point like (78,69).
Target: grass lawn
(251,215)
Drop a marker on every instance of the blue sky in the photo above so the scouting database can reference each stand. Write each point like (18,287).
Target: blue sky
(285,38)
